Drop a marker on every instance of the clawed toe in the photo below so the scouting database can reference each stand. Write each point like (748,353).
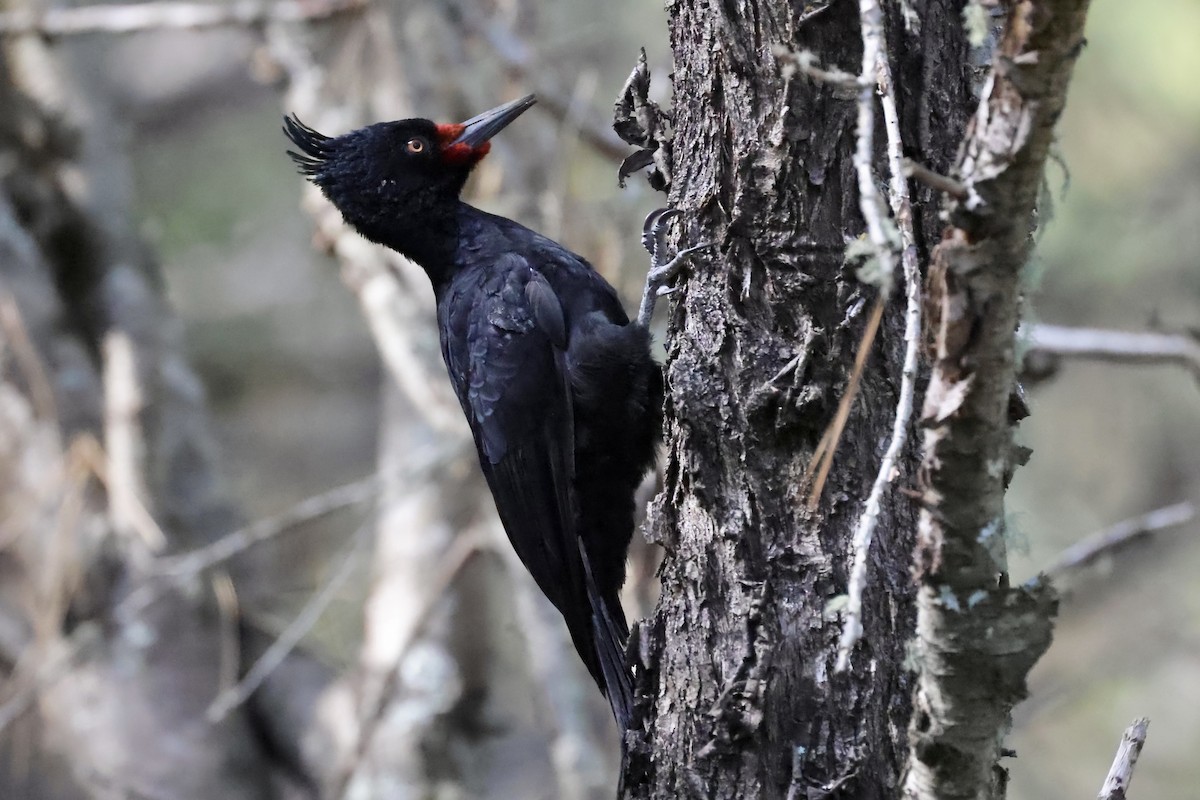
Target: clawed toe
(654,232)
(662,270)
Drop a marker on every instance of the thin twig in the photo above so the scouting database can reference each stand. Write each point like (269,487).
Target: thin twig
(869,201)
(517,58)
(822,458)
(936,180)
(174,570)
(1111,539)
(1121,772)
(12,325)
(307,510)
(1125,347)
(36,674)
(124,450)
(805,62)
(457,556)
(275,655)
(902,210)
(229,617)
(132,18)
(871,206)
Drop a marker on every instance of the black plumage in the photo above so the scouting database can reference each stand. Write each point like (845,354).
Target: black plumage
(559,388)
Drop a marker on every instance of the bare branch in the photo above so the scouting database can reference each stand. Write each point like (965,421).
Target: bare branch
(125,446)
(516,57)
(903,213)
(943,183)
(228,624)
(1121,772)
(119,19)
(174,570)
(1121,347)
(37,672)
(455,559)
(1112,539)
(967,612)
(869,201)
(871,206)
(16,337)
(307,510)
(822,457)
(805,62)
(275,655)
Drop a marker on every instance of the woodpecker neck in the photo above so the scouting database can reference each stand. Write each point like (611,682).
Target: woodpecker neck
(429,238)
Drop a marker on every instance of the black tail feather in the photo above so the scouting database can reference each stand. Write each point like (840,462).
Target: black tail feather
(609,634)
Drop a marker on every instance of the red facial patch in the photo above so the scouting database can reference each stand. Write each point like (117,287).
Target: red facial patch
(459,154)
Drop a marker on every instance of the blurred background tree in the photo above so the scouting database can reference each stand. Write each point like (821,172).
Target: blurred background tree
(180,140)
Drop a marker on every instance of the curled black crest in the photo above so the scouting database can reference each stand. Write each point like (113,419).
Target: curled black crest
(315,148)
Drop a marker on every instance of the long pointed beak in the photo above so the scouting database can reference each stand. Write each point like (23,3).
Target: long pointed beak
(479,129)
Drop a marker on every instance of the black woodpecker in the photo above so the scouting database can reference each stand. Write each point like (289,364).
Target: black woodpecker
(559,387)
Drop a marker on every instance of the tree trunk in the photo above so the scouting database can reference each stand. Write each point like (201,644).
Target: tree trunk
(738,683)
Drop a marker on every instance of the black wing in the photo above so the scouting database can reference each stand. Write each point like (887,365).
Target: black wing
(506,353)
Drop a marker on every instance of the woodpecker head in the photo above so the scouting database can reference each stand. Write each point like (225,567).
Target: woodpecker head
(392,173)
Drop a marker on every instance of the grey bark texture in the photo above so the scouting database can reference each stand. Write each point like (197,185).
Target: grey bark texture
(737,682)
(737,690)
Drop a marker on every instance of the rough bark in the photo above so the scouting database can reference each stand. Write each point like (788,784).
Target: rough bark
(979,636)
(737,688)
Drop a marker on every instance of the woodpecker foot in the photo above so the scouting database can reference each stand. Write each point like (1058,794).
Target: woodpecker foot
(662,269)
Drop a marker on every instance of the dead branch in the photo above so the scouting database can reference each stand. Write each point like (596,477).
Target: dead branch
(120,19)
(1118,347)
(461,551)
(35,674)
(124,451)
(16,338)
(1121,772)
(517,58)
(967,613)
(299,627)
(934,180)
(822,457)
(879,233)
(903,214)
(806,63)
(193,562)
(1103,543)
(869,201)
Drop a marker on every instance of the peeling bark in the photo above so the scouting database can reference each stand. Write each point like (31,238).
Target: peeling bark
(978,636)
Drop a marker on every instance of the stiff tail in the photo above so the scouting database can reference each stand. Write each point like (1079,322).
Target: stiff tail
(609,633)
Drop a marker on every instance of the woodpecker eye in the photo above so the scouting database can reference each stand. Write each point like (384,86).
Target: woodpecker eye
(416,146)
